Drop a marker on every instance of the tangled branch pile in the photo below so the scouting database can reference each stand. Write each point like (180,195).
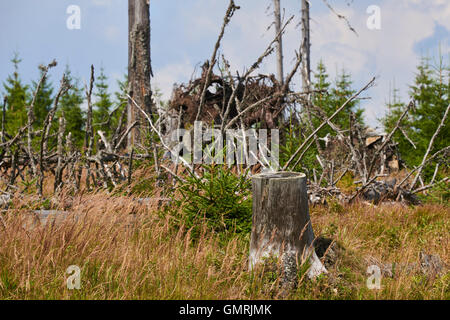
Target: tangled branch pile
(225,95)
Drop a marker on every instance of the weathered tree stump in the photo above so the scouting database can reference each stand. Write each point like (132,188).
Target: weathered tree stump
(281,223)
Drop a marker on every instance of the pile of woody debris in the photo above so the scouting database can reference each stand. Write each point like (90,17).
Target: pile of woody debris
(372,158)
(352,153)
(380,191)
(224,96)
(364,142)
(387,162)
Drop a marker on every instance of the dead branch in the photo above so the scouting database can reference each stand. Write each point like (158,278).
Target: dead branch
(430,146)
(326,122)
(431,185)
(340,16)
(388,138)
(212,62)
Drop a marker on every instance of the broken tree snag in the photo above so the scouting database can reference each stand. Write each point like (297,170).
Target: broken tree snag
(281,222)
(139,65)
(306,47)
(277,14)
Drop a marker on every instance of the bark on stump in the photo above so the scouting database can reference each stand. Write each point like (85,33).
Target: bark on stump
(281,223)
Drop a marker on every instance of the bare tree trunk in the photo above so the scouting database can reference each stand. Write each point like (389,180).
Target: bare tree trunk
(139,65)
(306,46)
(277,13)
(306,67)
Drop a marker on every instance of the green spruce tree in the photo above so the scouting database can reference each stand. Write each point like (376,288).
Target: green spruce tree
(329,98)
(18,95)
(43,102)
(341,93)
(71,103)
(395,108)
(430,91)
(121,100)
(103,103)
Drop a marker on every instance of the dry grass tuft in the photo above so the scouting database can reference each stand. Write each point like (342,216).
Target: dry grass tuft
(129,250)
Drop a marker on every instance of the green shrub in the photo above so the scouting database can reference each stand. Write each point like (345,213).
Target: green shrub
(439,194)
(220,197)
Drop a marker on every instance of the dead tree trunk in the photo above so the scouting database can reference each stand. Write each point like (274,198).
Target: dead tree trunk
(281,222)
(277,13)
(139,65)
(306,67)
(306,46)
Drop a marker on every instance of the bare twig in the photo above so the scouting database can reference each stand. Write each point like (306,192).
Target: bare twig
(388,138)
(407,138)
(434,156)
(431,185)
(226,20)
(430,146)
(340,16)
(371,82)
(188,166)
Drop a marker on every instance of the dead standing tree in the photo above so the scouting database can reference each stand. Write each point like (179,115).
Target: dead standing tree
(306,46)
(139,64)
(306,67)
(306,62)
(277,13)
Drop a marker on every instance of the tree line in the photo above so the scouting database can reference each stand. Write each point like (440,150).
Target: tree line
(18,96)
(430,90)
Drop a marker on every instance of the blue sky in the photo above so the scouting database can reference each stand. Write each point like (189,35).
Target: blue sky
(184,33)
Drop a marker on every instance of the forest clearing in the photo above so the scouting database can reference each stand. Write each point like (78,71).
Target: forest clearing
(244,185)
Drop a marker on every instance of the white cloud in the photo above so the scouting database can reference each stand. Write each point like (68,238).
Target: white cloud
(247,38)
(173,73)
(112,32)
(387,53)
(103,3)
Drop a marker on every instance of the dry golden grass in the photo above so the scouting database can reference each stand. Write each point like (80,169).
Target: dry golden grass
(391,234)
(130,251)
(125,251)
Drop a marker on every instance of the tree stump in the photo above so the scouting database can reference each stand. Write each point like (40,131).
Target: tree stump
(281,223)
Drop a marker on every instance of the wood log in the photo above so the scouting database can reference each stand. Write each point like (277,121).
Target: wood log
(281,222)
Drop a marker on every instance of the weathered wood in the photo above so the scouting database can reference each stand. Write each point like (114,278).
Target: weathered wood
(305,52)
(139,65)
(43,218)
(306,47)
(277,14)
(281,222)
